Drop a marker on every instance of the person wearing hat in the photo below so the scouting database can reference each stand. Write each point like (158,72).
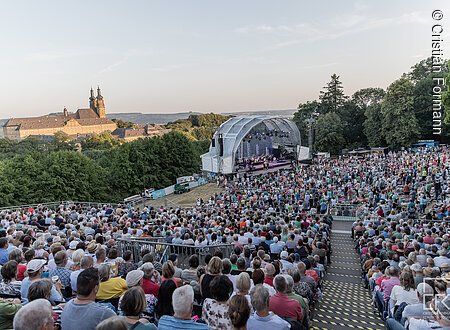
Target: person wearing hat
(62,273)
(135,279)
(34,270)
(445,268)
(286,264)
(92,248)
(417,273)
(72,248)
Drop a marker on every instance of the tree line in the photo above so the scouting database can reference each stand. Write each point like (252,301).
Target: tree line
(374,117)
(32,171)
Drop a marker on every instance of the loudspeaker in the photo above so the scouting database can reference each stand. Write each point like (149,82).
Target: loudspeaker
(221,146)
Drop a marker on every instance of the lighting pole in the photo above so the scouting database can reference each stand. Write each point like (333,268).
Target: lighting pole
(311,137)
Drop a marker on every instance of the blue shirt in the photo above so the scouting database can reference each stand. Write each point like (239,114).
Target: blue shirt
(4,256)
(171,323)
(54,295)
(270,322)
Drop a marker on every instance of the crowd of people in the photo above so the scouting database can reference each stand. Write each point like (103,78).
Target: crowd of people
(403,242)
(62,266)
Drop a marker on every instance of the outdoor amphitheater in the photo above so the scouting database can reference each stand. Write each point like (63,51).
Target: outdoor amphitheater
(359,241)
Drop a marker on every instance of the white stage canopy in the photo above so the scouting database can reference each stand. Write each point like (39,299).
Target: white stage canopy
(228,141)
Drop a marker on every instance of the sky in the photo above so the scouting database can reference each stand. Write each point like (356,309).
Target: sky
(204,55)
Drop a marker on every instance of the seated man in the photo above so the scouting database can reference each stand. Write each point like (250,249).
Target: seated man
(83,312)
(281,304)
(85,263)
(36,315)
(183,302)
(262,318)
(34,270)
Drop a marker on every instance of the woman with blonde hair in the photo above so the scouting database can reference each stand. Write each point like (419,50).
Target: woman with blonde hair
(214,268)
(243,286)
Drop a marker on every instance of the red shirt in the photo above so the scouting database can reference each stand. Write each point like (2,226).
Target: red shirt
(284,306)
(21,268)
(150,287)
(268,280)
(428,240)
(312,273)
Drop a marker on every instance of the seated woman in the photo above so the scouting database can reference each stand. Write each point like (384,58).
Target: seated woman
(215,311)
(128,264)
(164,304)
(9,285)
(168,272)
(42,289)
(132,304)
(190,274)
(135,279)
(17,255)
(239,312)
(110,288)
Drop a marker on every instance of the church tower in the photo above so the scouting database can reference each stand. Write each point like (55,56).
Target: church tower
(92,103)
(100,109)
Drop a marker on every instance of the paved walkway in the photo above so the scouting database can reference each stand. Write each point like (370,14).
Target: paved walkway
(346,303)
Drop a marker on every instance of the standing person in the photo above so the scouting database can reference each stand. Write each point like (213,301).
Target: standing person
(83,312)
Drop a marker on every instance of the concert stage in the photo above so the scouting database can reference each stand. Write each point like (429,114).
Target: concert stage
(260,166)
(247,143)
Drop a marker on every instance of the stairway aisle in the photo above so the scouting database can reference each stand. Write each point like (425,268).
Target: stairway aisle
(345,303)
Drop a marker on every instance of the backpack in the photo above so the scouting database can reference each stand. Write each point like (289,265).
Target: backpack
(399,311)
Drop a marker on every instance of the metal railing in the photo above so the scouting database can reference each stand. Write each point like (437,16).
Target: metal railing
(348,212)
(54,205)
(161,250)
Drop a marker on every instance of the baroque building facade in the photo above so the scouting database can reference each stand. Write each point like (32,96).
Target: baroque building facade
(82,122)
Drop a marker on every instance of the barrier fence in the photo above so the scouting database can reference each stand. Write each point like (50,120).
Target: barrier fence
(161,250)
(55,205)
(345,212)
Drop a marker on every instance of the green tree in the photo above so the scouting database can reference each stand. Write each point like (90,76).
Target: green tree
(332,97)
(62,141)
(352,118)
(368,96)
(302,115)
(372,126)
(124,124)
(329,133)
(399,127)
(102,141)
